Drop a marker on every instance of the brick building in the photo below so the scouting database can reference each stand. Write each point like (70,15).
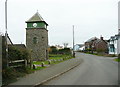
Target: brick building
(96,45)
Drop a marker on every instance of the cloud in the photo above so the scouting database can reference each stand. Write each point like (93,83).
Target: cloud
(90,17)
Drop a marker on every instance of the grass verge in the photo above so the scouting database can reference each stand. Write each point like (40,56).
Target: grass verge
(11,75)
(117,59)
(101,54)
(54,57)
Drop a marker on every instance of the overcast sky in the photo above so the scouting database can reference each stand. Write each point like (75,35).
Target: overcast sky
(90,17)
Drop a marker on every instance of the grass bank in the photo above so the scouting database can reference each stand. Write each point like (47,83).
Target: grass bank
(101,54)
(53,58)
(117,59)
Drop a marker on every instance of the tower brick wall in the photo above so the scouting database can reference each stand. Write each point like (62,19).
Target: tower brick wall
(37,37)
(39,49)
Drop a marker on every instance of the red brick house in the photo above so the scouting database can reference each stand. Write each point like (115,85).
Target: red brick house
(97,45)
(88,43)
(100,45)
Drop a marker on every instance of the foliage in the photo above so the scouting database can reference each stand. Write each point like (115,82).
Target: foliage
(17,54)
(101,50)
(38,68)
(117,59)
(119,56)
(111,55)
(8,73)
(51,56)
(39,62)
(64,51)
(11,74)
(87,50)
(57,56)
(53,50)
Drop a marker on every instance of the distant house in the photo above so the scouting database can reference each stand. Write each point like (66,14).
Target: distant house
(96,45)
(100,45)
(82,48)
(118,43)
(112,44)
(88,43)
(79,47)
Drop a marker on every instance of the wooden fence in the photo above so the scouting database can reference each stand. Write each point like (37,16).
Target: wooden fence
(18,63)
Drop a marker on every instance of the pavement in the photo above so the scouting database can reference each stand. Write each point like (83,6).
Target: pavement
(41,76)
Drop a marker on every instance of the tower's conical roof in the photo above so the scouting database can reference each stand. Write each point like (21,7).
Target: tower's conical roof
(35,17)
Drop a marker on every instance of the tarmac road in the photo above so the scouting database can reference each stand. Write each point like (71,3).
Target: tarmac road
(95,70)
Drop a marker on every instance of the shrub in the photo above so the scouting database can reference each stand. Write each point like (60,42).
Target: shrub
(119,56)
(13,53)
(8,75)
(18,54)
(11,74)
(101,50)
(64,51)
(53,50)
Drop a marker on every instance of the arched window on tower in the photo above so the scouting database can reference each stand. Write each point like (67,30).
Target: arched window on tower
(35,40)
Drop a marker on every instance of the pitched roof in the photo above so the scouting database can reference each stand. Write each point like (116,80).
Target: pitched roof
(35,17)
(113,38)
(8,39)
(98,41)
(19,45)
(93,38)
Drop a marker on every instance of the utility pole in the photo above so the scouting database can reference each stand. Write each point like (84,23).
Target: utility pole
(73,42)
(6,33)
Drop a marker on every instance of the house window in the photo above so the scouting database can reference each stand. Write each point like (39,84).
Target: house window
(112,48)
(35,40)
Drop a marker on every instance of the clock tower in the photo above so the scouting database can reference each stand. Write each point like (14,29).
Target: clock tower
(37,37)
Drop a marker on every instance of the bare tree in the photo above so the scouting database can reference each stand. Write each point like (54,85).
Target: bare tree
(65,45)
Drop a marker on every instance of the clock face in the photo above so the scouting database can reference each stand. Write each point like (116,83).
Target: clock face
(34,24)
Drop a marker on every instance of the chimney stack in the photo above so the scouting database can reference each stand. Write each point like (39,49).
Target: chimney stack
(101,37)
